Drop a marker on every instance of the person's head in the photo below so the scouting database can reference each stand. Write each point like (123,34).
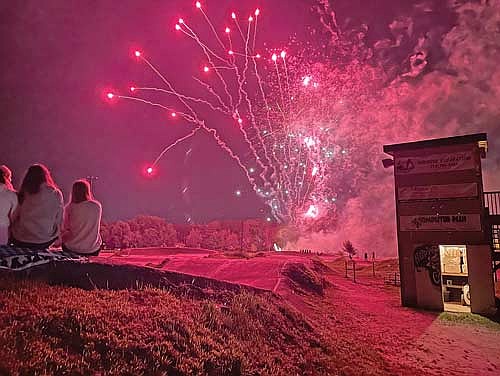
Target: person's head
(36,175)
(5,176)
(81,191)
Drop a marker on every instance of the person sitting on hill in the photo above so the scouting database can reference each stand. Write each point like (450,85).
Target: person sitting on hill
(37,220)
(82,221)
(8,203)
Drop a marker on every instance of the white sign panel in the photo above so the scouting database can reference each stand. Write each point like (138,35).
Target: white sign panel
(455,161)
(423,192)
(459,222)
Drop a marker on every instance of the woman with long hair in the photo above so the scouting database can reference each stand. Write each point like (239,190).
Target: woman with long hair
(82,221)
(37,220)
(8,203)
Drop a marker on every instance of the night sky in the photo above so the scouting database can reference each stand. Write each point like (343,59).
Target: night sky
(58,59)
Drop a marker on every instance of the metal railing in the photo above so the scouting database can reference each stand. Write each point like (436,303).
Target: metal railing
(492,202)
(495,237)
(392,279)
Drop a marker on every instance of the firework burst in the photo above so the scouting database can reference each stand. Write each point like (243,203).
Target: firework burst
(283,108)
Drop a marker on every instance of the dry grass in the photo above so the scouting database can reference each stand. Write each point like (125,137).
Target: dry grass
(68,331)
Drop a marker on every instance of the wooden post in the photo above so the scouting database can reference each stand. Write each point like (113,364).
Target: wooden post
(373,268)
(345,263)
(354,271)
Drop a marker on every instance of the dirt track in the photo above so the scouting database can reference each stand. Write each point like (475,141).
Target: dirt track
(407,340)
(261,272)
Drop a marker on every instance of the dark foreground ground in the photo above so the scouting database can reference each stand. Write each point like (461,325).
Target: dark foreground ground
(293,315)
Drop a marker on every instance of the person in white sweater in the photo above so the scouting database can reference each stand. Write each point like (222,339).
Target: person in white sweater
(82,222)
(8,203)
(37,220)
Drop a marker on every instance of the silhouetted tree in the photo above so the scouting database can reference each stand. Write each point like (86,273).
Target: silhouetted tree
(348,248)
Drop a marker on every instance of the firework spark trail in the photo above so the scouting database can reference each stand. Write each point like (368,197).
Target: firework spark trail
(213,28)
(257,12)
(209,88)
(300,173)
(304,177)
(274,58)
(225,147)
(228,33)
(238,26)
(207,52)
(195,117)
(189,135)
(308,191)
(245,134)
(287,140)
(170,87)
(238,75)
(196,38)
(249,104)
(268,117)
(242,77)
(169,109)
(288,96)
(297,170)
(200,125)
(193,99)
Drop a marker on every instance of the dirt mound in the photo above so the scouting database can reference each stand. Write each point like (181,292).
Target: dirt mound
(95,276)
(304,279)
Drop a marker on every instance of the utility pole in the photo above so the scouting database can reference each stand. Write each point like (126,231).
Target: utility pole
(241,235)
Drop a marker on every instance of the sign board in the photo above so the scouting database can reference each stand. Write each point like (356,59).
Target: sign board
(458,222)
(435,163)
(425,192)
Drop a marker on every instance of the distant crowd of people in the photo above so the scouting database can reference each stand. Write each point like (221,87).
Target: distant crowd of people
(35,217)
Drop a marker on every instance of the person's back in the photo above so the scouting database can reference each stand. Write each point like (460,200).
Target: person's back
(38,218)
(8,204)
(82,221)
(81,229)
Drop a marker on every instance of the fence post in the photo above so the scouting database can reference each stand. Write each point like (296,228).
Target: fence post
(354,270)
(373,268)
(345,263)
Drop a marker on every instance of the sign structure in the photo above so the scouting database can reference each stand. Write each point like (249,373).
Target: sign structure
(459,222)
(425,192)
(435,163)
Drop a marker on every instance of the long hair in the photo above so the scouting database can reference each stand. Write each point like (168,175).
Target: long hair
(5,176)
(36,175)
(81,191)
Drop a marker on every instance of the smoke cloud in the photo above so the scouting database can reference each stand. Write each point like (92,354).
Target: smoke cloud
(447,84)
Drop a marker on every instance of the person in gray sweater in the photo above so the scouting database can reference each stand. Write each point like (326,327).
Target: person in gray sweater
(38,218)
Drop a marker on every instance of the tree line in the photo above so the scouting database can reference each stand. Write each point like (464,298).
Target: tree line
(150,231)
